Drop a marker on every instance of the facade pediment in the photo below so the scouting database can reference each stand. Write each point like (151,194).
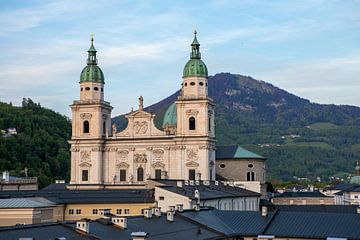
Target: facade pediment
(158,165)
(85,164)
(192,164)
(140,124)
(122,165)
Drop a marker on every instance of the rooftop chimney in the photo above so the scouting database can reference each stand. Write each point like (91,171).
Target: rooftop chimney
(139,235)
(264,211)
(120,222)
(216,183)
(197,207)
(172,208)
(147,213)
(179,183)
(6,176)
(198,176)
(179,207)
(156,211)
(170,216)
(83,225)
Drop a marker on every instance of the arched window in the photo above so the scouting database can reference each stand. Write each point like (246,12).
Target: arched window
(104,128)
(209,124)
(192,123)
(158,174)
(140,174)
(250,176)
(86,127)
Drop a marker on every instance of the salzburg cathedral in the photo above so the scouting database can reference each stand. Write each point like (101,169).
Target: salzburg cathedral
(185,148)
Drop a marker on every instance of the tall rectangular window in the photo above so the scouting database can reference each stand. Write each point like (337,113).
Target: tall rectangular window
(192,174)
(158,174)
(85,175)
(122,175)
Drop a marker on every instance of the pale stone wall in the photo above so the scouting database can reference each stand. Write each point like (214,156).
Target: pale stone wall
(303,201)
(236,169)
(165,198)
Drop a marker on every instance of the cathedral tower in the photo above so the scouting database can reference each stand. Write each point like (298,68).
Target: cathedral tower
(91,120)
(195,117)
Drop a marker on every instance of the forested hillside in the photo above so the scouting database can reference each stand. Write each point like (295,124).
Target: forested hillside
(298,137)
(40,143)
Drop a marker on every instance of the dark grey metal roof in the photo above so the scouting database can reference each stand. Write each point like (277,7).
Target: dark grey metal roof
(244,223)
(86,196)
(315,225)
(211,191)
(41,232)
(314,194)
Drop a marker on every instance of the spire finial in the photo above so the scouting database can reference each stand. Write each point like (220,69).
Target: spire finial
(195,48)
(92,37)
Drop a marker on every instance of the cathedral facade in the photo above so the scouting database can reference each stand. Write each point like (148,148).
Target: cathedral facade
(183,149)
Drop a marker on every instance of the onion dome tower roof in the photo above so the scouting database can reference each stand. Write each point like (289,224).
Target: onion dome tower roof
(195,67)
(92,72)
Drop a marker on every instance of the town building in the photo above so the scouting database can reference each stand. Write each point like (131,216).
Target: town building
(204,194)
(348,196)
(11,183)
(302,198)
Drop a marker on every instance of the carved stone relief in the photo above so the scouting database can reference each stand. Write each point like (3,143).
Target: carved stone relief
(140,127)
(85,156)
(123,155)
(192,154)
(192,112)
(85,116)
(158,154)
(122,165)
(140,158)
(192,164)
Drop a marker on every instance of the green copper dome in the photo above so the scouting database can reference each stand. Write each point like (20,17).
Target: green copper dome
(170,115)
(92,72)
(195,67)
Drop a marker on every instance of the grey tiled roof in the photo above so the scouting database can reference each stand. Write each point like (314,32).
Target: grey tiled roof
(35,202)
(319,208)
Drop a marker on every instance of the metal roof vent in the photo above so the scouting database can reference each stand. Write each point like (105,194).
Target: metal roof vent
(192,182)
(186,182)
(139,235)
(216,183)
(206,182)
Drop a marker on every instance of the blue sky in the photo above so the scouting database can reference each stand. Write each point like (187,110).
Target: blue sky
(309,48)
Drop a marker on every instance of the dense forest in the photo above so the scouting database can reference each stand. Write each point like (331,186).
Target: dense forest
(298,138)
(40,143)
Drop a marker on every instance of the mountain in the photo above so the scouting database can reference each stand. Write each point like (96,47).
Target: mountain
(298,137)
(35,138)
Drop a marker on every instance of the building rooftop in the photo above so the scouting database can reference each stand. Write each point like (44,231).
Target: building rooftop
(61,195)
(350,188)
(34,202)
(318,208)
(210,191)
(313,194)
(205,224)
(235,152)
